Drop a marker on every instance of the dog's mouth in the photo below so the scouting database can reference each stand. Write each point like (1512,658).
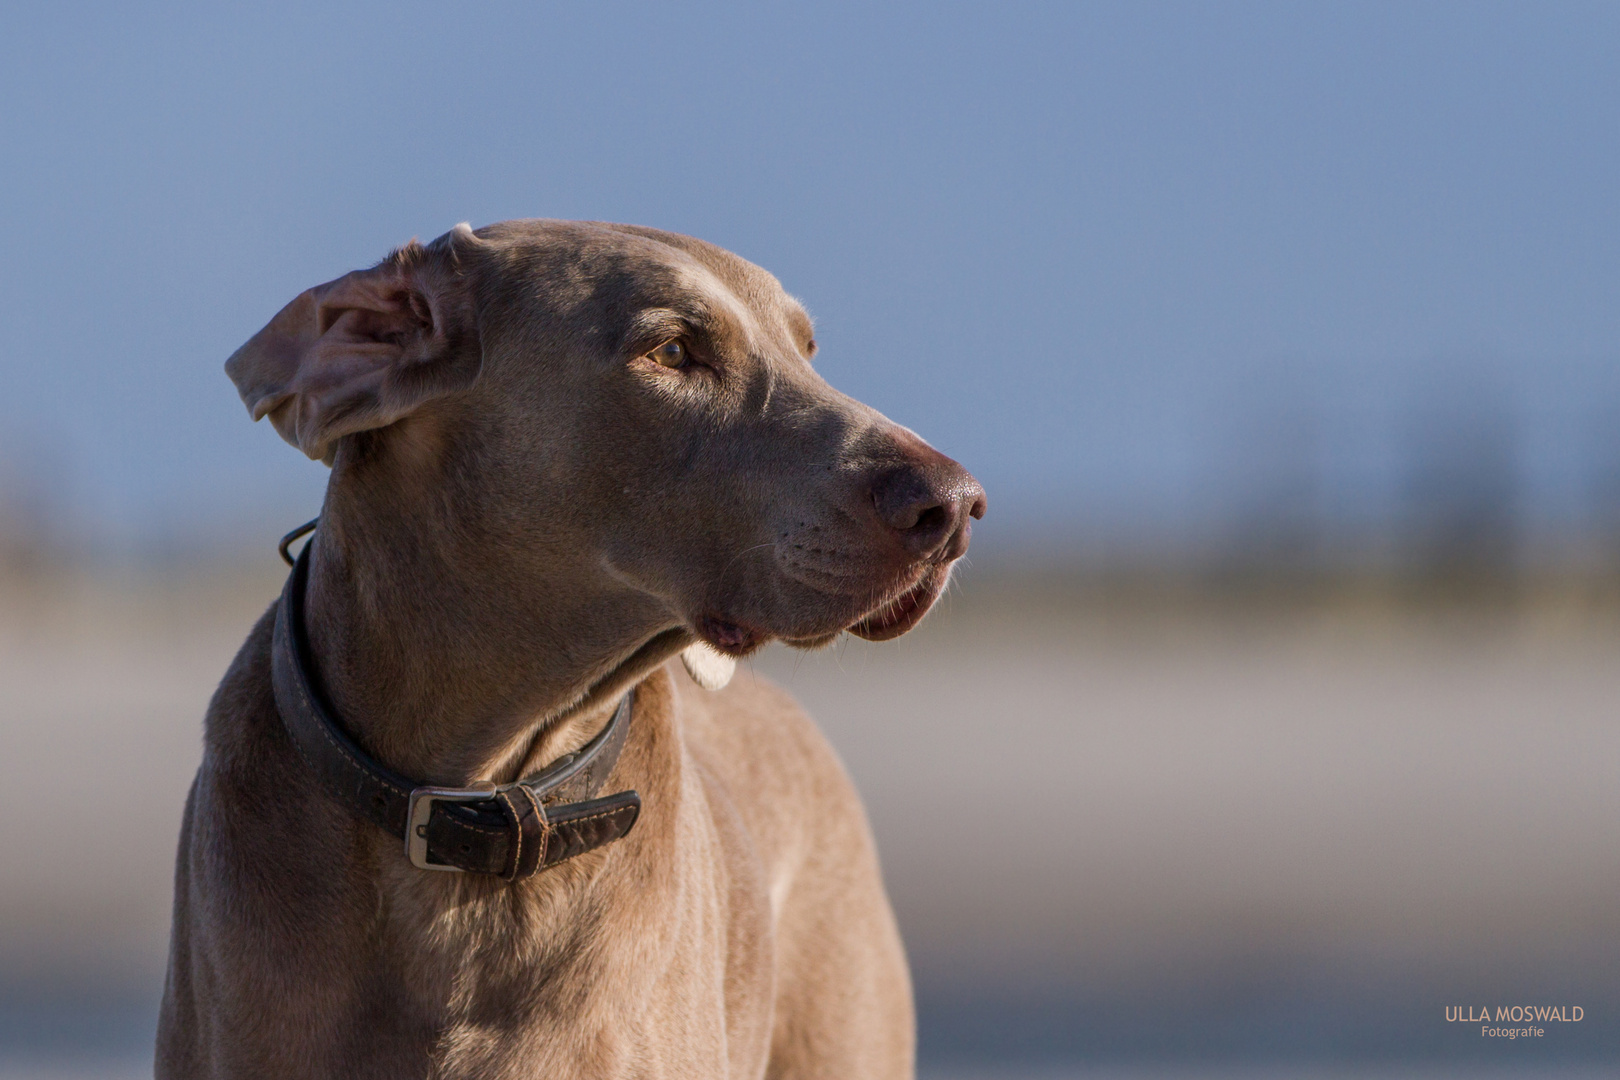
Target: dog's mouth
(900,613)
(894,615)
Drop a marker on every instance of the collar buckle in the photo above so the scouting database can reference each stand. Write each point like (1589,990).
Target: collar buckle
(421,810)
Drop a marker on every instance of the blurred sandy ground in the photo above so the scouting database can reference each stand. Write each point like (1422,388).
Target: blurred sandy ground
(1113,830)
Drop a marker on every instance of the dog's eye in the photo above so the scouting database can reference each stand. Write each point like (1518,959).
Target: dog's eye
(671,354)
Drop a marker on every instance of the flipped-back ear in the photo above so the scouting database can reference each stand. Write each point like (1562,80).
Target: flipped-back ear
(365,350)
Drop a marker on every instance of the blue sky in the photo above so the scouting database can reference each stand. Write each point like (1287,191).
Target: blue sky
(1081,247)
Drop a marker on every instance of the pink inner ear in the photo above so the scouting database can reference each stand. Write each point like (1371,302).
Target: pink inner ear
(357,353)
(382,292)
(360,327)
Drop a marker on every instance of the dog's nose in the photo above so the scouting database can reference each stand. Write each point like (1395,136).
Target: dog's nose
(928,506)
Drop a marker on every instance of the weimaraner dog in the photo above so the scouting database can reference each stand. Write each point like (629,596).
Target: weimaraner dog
(461,812)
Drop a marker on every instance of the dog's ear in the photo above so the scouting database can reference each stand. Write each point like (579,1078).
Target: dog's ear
(365,350)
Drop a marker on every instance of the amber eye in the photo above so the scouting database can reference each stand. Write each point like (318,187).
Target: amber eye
(672,354)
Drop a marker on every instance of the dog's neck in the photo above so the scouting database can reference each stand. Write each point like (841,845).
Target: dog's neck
(453,657)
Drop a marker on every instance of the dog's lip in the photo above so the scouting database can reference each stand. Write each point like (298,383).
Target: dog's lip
(813,641)
(900,613)
(737,640)
(903,608)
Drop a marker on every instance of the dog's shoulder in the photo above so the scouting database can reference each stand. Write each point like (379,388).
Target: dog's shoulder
(758,737)
(257,806)
(242,717)
(842,988)
(778,769)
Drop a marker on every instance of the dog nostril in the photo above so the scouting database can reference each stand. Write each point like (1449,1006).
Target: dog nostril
(930,520)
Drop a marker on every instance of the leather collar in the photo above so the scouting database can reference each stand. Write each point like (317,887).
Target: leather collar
(511,830)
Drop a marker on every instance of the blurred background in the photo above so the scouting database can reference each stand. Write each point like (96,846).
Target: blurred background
(1282,336)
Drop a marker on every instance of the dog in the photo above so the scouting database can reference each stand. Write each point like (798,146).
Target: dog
(565,457)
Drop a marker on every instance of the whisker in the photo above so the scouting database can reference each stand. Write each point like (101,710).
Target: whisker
(733,561)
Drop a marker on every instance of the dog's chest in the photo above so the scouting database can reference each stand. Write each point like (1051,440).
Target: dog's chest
(656,967)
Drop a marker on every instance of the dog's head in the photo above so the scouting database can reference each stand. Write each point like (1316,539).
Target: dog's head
(623,404)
